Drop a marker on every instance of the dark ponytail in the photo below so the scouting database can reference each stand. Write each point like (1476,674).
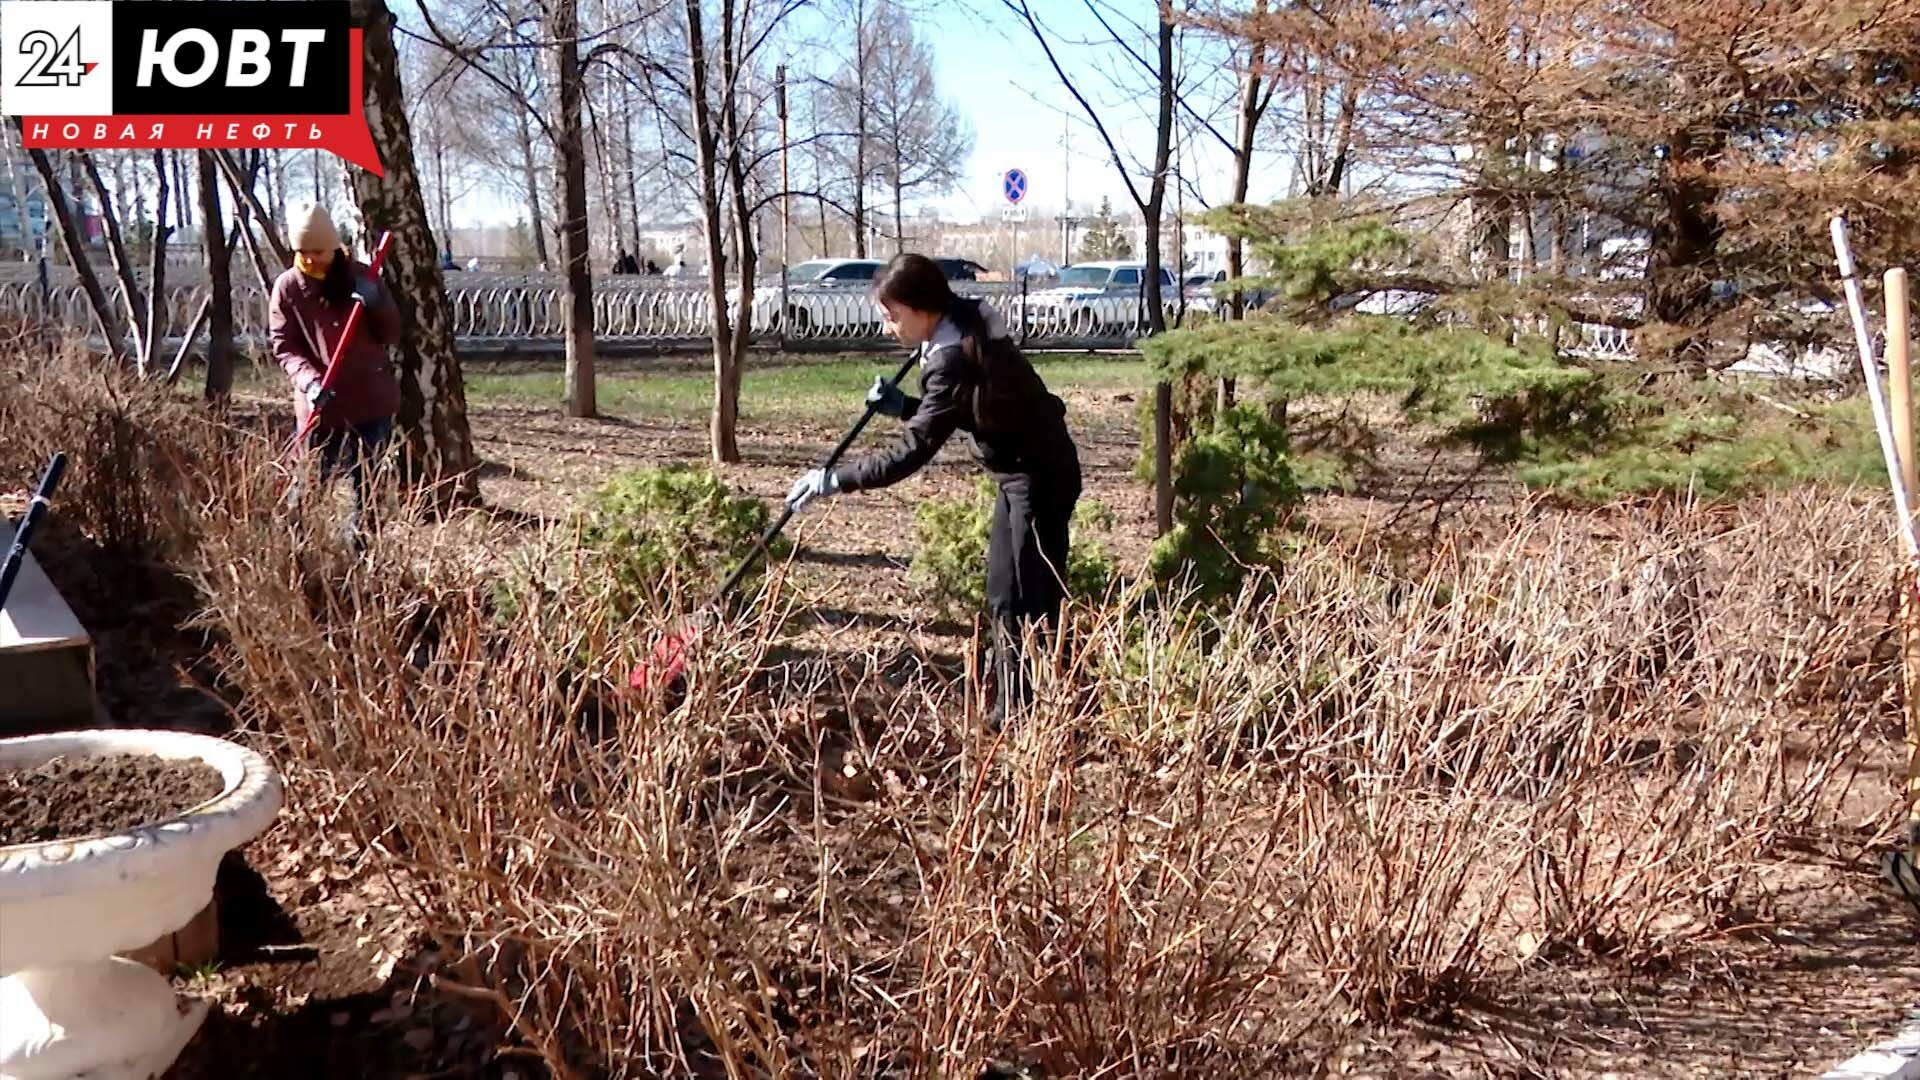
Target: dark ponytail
(337,287)
(916,282)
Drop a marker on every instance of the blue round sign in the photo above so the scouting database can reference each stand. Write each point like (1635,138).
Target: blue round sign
(1014,183)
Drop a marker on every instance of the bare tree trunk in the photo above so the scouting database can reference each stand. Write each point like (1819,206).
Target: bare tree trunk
(745,249)
(125,194)
(157,321)
(130,294)
(219,285)
(245,202)
(18,191)
(178,159)
(570,148)
(443,195)
(899,221)
(243,191)
(103,309)
(1685,236)
(433,398)
(606,169)
(129,175)
(277,182)
(1312,122)
(1340,151)
(721,429)
(1252,106)
(860,131)
(633,191)
(1156,313)
(530,174)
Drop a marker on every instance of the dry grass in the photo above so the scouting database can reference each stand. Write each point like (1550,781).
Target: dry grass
(1368,792)
(1379,795)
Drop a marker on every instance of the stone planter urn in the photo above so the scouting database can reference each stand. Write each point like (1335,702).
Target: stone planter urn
(69,1008)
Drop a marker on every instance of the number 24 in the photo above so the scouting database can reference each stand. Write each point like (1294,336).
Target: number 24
(56,63)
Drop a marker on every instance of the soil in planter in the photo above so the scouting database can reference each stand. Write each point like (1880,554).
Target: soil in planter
(74,798)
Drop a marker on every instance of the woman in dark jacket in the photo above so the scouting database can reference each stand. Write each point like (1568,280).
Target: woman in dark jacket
(306,316)
(973,378)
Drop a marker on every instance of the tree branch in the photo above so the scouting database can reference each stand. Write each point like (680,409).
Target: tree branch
(1021,8)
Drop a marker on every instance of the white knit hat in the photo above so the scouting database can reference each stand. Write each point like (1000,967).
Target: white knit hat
(311,229)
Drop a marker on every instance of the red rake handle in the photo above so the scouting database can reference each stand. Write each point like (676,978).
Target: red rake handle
(340,346)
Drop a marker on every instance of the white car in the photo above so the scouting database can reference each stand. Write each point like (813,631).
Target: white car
(1097,297)
(1198,290)
(825,298)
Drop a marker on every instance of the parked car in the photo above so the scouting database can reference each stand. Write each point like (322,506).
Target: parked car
(1198,290)
(961,269)
(1097,297)
(825,297)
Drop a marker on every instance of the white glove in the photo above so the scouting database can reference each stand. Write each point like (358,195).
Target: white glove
(815,483)
(886,398)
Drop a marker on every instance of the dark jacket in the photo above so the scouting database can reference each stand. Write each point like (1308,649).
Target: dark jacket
(303,328)
(1018,429)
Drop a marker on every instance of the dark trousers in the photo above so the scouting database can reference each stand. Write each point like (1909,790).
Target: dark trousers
(356,451)
(1026,572)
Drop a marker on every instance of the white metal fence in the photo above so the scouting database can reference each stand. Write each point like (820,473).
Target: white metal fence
(502,311)
(527,312)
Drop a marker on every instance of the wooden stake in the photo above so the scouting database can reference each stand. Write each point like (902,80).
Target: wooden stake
(1900,404)
(1899,378)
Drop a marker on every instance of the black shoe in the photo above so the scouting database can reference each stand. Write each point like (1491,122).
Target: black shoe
(1898,868)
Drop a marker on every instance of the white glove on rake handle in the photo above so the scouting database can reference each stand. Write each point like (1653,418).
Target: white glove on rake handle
(813,485)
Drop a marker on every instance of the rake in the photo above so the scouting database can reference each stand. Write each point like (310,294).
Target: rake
(667,661)
(37,509)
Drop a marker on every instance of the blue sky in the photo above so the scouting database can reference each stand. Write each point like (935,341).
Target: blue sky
(988,65)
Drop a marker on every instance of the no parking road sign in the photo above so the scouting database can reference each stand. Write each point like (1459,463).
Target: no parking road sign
(1014,184)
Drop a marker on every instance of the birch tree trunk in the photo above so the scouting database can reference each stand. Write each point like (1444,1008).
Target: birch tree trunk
(433,399)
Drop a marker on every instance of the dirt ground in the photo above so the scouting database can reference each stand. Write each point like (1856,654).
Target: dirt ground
(321,973)
(69,799)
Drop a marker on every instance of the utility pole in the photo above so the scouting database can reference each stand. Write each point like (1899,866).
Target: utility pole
(786,197)
(1066,188)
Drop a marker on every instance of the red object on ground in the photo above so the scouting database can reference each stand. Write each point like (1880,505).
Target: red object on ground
(340,347)
(668,660)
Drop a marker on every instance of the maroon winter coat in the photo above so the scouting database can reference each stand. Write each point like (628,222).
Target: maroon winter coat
(304,329)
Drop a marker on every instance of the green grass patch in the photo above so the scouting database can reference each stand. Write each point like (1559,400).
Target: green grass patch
(774,392)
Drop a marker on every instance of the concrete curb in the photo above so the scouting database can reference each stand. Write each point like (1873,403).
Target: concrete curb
(1896,1059)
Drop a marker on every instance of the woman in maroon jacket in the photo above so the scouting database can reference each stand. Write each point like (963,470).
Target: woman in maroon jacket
(306,316)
